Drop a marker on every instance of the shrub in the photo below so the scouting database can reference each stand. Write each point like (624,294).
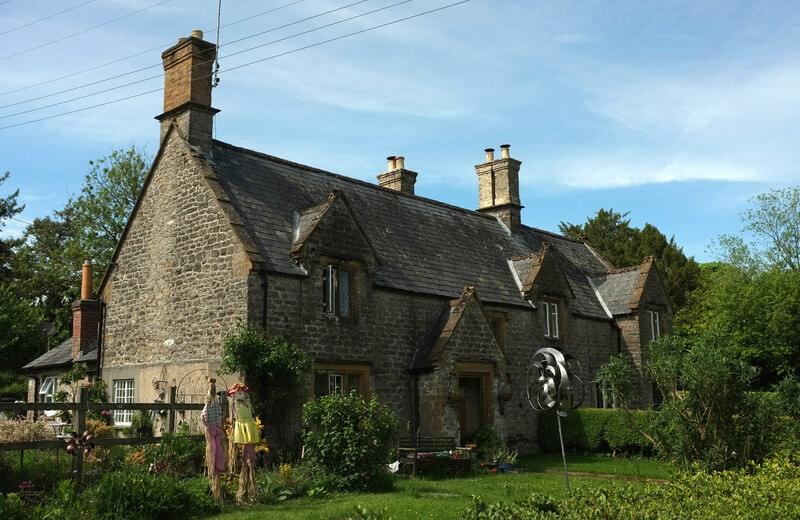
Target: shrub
(596,430)
(487,440)
(141,425)
(135,495)
(177,454)
(768,491)
(12,507)
(25,430)
(349,439)
(272,367)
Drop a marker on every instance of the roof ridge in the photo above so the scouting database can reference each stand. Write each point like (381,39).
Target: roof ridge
(357,181)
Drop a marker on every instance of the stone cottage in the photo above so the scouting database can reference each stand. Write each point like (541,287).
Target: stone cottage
(45,372)
(436,309)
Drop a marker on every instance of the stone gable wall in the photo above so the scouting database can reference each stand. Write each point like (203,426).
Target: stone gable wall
(181,278)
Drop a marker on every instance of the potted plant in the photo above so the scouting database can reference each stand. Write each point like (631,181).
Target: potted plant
(506,459)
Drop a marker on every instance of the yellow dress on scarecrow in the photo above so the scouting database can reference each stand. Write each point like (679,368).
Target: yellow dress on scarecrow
(245,430)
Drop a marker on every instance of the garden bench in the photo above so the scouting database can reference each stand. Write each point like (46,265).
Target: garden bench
(425,453)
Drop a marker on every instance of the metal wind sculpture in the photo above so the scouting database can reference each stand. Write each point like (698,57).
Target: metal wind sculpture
(553,385)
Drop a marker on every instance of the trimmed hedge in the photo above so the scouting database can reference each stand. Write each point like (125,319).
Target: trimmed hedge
(595,430)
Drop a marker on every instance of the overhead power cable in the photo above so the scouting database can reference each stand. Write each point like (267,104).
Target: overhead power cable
(317,44)
(45,18)
(118,60)
(157,76)
(223,45)
(83,31)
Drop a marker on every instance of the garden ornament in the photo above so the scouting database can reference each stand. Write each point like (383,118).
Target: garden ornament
(244,431)
(553,385)
(79,443)
(211,416)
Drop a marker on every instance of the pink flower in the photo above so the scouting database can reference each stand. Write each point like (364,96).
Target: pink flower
(88,383)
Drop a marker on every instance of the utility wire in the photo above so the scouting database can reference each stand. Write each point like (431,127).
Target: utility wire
(43,19)
(118,60)
(159,75)
(223,45)
(83,31)
(6,1)
(243,65)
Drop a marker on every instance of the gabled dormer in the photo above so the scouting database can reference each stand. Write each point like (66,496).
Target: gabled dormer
(546,287)
(331,245)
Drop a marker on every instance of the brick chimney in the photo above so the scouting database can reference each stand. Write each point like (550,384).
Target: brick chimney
(397,177)
(86,316)
(188,68)
(498,187)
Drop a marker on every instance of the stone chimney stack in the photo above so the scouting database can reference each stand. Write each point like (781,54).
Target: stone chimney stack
(86,316)
(188,69)
(498,188)
(397,177)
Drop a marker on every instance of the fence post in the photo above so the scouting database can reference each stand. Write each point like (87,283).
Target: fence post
(79,421)
(173,392)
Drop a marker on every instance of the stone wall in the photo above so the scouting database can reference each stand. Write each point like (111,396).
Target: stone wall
(180,278)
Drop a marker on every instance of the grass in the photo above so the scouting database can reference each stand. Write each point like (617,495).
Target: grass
(446,498)
(599,465)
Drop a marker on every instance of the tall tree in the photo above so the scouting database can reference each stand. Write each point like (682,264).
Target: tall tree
(624,245)
(97,215)
(8,208)
(47,266)
(773,223)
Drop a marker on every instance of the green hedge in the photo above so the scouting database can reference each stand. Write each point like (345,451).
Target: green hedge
(596,431)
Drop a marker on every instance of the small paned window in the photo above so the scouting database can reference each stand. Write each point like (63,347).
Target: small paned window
(341,381)
(550,319)
(655,331)
(337,291)
(123,393)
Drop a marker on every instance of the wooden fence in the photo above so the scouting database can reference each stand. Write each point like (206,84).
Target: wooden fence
(79,410)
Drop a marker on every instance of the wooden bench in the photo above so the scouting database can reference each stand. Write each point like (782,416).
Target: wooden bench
(427,453)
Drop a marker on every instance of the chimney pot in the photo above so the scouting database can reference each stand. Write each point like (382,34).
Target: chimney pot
(400,162)
(504,151)
(86,281)
(392,163)
(489,154)
(197,33)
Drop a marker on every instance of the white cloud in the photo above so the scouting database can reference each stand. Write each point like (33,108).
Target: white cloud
(623,171)
(693,105)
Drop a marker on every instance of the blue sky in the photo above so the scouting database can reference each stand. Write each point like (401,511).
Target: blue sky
(676,111)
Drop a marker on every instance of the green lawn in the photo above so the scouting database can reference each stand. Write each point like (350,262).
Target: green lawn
(599,465)
(447,498)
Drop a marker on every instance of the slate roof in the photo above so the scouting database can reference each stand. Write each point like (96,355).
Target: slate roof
(616,289)
(61,356)
(424,246)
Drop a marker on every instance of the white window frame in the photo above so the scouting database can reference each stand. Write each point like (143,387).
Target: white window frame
(550,319)
(655,329)
(335,384)
(47,393)
(124,392)
(333,296)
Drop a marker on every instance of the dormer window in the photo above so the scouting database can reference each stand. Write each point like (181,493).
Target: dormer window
(550,309)
(337,291)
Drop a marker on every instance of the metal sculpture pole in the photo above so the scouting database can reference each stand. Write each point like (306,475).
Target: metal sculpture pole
(554,385)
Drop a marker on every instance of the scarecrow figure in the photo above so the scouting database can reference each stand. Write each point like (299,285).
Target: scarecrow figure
(244,431)
(215,454)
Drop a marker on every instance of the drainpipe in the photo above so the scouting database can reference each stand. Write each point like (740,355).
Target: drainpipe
(415,403)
